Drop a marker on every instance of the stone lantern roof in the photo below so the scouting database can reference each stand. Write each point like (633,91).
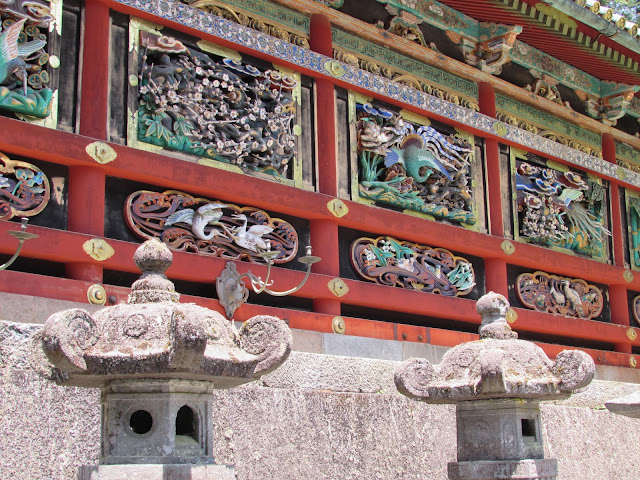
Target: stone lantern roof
(499,365)
(156,336)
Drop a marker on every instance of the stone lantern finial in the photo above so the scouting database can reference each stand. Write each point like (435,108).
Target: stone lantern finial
(493,309)
(153,258)
(157,362)
(497,384)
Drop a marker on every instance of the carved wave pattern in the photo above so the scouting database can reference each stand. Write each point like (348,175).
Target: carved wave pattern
(392,262)
(199,225)
(24,189)
(414,167)
(553,294)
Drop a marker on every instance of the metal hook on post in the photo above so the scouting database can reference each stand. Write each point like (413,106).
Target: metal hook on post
(232,292)
(22,235)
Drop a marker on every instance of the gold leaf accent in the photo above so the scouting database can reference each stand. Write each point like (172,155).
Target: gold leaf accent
(621,173)
(334,68)
(512,316)
(633,362)
(632,334)
(338,325)
(508,247)
(96,294)
(338,287)
(218,50)
(338,208)
(98,249)
(628,276)
(101,152)
(500,128)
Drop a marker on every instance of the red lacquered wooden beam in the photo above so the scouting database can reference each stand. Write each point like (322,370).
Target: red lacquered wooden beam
(558,325)
(60,246)
(167,172)
(75,290)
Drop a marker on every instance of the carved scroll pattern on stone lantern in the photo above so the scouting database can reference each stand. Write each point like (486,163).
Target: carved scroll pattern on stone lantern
(553,294)
(220,109)
(560,209)
(25,26)
(388,261)
(24,189)
(413,167)
(497,384)
(200,225)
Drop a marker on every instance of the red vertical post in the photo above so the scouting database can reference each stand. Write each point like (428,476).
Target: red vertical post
(86,209)
(617,293)
(324,233)
(495,268)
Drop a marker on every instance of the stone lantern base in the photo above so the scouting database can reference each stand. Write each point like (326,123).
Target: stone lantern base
(157,472)
(541,469)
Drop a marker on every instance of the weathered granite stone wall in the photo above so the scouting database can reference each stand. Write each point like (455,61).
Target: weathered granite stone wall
(308,420)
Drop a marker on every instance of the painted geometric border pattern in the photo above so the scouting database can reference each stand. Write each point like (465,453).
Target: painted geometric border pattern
(249,38)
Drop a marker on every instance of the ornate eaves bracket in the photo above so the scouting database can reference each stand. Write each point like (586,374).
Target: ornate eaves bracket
(609,108)
(491,50)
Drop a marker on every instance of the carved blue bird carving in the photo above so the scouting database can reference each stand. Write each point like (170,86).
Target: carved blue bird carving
(418,161)
(12,53)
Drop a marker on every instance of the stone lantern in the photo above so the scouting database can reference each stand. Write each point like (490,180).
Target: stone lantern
(157,362)
(497,384)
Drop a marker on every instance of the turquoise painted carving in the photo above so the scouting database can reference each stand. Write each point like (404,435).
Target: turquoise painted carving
(392,262)
(633,217)
(562,209)
(489,50)
(384,57)
(222,109)
(23,59)
(413,167)
(366,81)
(547,124)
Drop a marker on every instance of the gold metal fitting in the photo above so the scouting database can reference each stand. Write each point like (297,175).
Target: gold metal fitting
(338,325)
(96,294)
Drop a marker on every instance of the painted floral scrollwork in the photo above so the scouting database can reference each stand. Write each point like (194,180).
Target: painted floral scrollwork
(388,261)
(565,296)
(200,225)
(224,110)
(24,189)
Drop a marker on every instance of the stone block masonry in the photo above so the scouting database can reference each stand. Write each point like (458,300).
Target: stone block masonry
(295,429)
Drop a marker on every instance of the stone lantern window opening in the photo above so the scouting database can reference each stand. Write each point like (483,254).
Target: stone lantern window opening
(187,430)
(529,428)
(140,422)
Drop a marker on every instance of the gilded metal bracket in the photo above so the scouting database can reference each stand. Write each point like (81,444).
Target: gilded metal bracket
(101,152)
(338,287)
(98,249)
(338,325)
